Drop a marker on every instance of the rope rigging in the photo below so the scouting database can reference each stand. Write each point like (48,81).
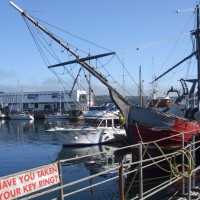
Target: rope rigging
(50,48)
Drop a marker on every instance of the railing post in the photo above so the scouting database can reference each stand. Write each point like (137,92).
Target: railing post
(140,172)
(189,178)
(194,158)
(61,180)
(183,161)
(121,182)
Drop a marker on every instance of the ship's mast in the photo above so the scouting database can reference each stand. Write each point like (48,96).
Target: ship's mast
(140,86)
(196,53)
(197,32)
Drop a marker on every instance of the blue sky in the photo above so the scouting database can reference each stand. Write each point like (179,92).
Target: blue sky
(142,32)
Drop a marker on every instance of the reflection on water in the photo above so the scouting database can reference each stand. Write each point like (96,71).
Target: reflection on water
(81,162)
(96,158)
(24,144)
(88,161)
(24,131)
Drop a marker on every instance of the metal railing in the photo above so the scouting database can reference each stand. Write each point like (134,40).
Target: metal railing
(141,160)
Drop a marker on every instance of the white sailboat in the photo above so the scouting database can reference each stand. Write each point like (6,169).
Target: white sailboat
(20,114)
(57,115)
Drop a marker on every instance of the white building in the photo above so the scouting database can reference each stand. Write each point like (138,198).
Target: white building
(45,100)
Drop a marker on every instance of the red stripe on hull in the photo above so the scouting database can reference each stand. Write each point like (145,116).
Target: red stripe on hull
(143,133)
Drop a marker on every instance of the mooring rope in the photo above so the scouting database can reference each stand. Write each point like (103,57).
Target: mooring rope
(175,168)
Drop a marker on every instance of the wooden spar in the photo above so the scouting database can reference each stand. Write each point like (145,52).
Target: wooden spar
(75,82)
(122,103)
(175,65)
(82,59)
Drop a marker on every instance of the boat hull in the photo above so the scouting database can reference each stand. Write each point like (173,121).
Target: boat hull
(60,116)
(77,114)
(149,125)
(21,117)
(89,136)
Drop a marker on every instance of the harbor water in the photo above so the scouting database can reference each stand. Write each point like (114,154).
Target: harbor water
(25,145)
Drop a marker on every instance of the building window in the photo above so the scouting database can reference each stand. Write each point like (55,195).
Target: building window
(36,105)
(25,106)
(82,98)
(47,107)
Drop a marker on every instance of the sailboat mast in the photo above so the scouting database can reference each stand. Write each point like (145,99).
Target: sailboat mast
(60,103)
(90,89)
(198,55)
(123,75)
(140,85)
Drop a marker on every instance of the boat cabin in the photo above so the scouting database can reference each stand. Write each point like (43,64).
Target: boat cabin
(160,102)
(101,122)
